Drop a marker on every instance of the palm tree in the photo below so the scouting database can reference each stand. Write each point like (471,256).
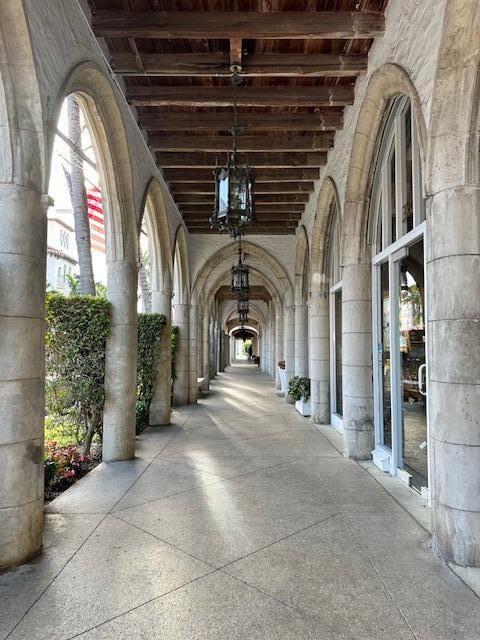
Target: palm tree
(144,282)
(78,196)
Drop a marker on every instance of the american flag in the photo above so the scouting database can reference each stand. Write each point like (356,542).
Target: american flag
(95,216)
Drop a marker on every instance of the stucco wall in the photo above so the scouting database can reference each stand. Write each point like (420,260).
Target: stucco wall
(412,39)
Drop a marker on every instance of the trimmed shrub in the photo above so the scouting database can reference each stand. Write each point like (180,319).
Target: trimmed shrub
(174,347)
(299,388)
(77,329)
(150,327)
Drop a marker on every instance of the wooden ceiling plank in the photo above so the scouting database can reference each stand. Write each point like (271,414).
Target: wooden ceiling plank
(225,25)
(209,187)
(254,144)
(321,120)
(260,209)
(261,175)
(255,65)
(193,96)
(195,160)
(192,198)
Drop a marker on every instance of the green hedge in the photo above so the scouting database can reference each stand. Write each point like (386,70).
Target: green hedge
(77,329)
(174,348)
(150,327)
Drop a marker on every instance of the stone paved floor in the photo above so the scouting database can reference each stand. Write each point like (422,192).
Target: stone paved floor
(240,521)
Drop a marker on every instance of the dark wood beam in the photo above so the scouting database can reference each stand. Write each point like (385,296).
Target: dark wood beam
(209,187)
(315,142)
(260,209)
(255,230)
(275,65)
(259,217)
(225,25)
(160,96)
(194,160)
(261,175)
(321,120)
(191,198)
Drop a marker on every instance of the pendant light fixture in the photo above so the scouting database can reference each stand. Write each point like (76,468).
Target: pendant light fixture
(234,184)
(240,274)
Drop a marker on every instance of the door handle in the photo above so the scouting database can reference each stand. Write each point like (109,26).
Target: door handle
(421,369)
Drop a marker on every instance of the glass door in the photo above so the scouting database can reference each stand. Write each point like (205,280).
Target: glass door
(412,365)
(336,388)
(400,366)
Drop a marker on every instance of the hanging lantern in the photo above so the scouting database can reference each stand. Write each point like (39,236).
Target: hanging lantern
(234,183)
(242,316)
(240,275)
(242,305)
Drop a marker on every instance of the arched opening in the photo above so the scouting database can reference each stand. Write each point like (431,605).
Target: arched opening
(302,297)
(101,146)
(181,318)
(397,240)
(156,258)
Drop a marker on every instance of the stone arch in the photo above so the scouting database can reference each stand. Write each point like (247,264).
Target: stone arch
(302,297)
(387,82)
(154,212)
(185,366)
(328,205)
(155,215)
(453,227)
(98,100)
(302,261)
(181,271)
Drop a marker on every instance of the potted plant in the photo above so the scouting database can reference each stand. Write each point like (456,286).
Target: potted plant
(282,375)
(299,390)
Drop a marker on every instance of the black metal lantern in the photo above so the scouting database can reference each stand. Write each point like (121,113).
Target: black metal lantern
(240,275)
(234,185)
(242,305)
(242,316)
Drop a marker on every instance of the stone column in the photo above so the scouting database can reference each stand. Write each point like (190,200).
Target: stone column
(232,349)
(180,386)
(192,355)
(289,346)
(278,347)
(301,338)
(211,359)
(206,351)
(358,426)
(160,408)
(121,363)
(319,323)
(22,370)
(453,312)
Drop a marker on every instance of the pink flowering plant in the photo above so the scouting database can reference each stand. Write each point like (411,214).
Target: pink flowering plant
(63,466)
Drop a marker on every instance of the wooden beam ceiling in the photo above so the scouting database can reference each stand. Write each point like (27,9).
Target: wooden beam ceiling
(315,142)
(160,96)
(223,25)
(319,120)
(297,71)
(260,188)
(257,65)
(261,175)
(285,160)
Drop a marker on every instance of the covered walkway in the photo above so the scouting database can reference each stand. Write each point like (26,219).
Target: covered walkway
(241,520)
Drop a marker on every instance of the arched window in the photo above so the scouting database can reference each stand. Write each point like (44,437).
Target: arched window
(397,233)
(398,204)
(335,283)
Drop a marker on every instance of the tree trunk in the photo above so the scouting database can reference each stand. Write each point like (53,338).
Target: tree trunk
(78,197)
(145,289)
